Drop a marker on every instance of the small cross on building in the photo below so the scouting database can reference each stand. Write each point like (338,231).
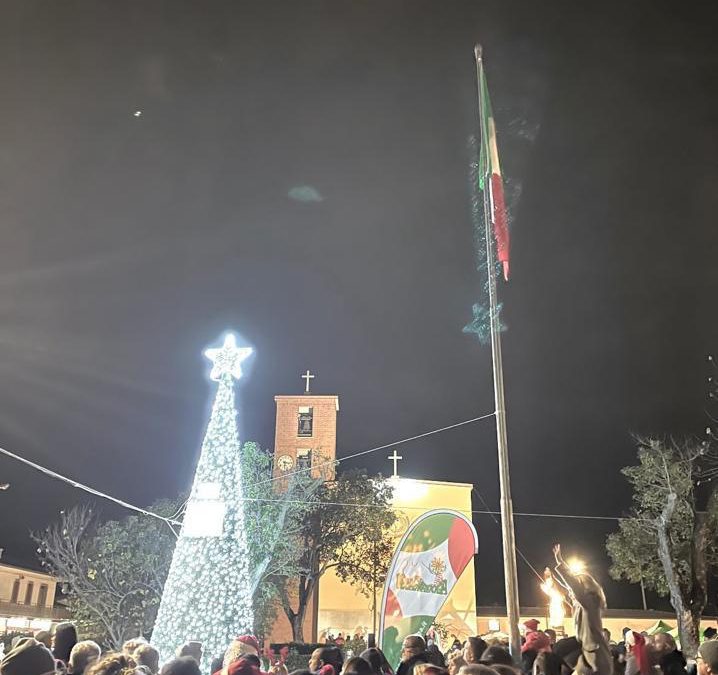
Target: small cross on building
(395,458)
(308,377)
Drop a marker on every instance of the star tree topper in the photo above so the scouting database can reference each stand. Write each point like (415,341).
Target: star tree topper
(227,359)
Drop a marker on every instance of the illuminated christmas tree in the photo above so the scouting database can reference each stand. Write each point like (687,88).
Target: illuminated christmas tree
(207,596)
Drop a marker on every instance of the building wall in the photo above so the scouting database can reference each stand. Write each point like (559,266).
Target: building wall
(8,576)
(343,609)
(322,442)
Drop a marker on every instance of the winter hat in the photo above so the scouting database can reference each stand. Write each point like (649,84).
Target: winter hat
(531,624)
(244,644)
(250,641)
(708,651)
(328,669)
(537,641)
(29,658)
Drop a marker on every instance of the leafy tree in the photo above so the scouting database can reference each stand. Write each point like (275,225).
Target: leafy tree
(112,573)
(346,529)
(274,517)
(669,541)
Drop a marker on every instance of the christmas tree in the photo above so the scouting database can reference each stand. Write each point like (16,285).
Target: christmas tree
(207,594)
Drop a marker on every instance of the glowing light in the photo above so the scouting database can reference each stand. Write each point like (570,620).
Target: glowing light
(227,359)
(576,566)
(408,490)
(556,611)
(207,595)
(494,625)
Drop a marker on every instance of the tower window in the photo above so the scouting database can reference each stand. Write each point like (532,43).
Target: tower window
(305,416)
(15,591)
(304,458)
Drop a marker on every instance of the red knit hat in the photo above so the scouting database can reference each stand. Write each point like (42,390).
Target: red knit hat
(531,624)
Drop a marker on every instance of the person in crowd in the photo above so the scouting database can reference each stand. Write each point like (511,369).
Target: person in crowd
(637,657)
(666,655)
(357,666)
(44,637)
(247,665)
(114,663)
(568,651)
(302,671)
(477,669)
(129,646)
(64,639)
(377,661)
(429,669)
(706,659)
(30,657)
(708,634)
(241,646)
(536,641)
(182,665)
(436,658)
(339,642)
(474,647)
(148,657)
(326,656)
(456,661)
(193,649)
(413,651)
(547,663)
(496,654)
(551,635)
(528,656)
(82,656)
(589,602)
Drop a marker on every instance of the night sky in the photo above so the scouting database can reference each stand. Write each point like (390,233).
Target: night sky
(129,243)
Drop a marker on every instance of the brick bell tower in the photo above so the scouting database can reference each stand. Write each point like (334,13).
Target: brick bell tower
(305,435)
(305,438)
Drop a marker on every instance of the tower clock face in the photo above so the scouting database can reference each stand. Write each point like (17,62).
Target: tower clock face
(285,462)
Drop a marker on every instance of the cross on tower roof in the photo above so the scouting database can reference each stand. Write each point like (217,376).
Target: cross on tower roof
(395,458)
(307,376)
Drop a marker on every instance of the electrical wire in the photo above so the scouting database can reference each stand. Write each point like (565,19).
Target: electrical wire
(334,462)
(87,488)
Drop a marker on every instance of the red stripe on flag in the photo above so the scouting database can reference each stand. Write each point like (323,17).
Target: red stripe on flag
(501,226)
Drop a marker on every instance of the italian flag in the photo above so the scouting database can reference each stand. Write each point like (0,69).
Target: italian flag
(490,174)
(429,559)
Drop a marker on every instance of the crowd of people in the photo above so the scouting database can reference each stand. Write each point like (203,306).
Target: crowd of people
(542,653)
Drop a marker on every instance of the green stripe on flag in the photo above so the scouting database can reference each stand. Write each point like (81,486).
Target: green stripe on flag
(432,532)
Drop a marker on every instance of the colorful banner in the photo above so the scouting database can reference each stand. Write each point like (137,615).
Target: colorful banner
(429,559)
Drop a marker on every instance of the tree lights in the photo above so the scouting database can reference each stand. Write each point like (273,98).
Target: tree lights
(207,596)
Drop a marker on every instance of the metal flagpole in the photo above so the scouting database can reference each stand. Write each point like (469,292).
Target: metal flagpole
(507,509)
